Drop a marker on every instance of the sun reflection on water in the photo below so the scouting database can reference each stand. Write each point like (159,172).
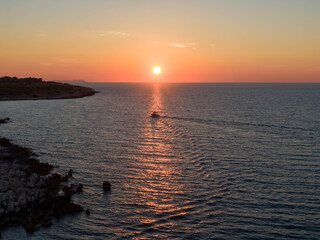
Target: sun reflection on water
(158,173)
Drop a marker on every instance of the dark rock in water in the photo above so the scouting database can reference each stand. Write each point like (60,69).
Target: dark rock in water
(72,189)
(106,186)
(70,173)
(65,178)
(5,120)
(47,221)
(88,211)
(29,226)
(79,188)
(64,205)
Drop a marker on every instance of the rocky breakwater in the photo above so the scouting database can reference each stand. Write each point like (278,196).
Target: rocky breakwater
(29,193)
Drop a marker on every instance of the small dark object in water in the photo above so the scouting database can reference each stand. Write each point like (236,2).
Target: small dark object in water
(5,120)
(106,186)
(79,188)
(155,114)
(70,173)
(88,211)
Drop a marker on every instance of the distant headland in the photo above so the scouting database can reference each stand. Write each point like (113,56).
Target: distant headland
(13,88)
(71,81)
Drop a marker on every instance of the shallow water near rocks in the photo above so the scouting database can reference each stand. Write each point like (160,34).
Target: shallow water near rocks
(224,161)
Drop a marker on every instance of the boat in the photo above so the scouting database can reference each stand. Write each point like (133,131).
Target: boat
(155,114)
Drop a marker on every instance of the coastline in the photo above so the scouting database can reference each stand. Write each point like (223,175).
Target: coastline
(31,194)
(63,96)
(13,89)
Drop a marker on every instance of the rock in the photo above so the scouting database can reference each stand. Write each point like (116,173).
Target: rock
(21,190)
(10,206)
(34,178)
(12,173)
(3,188)
(65,178)
(79,188)
(15,184)
(17,209)
(1,197)
(106,186)
(61,193)
(28,194)
(22,200)
(8,195)
(5,120)
(29,226)
(72,189)
(63,205)
(34,194)
(88,211)
(43,192)
(42,181)
(47,221)
(56,177)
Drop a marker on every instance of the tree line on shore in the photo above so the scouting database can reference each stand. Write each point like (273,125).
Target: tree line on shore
(7,79)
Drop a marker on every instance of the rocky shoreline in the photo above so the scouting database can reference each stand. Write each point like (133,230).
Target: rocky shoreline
(30,194)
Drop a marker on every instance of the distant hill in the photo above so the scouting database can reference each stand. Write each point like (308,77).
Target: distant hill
(71,81)
(13,88)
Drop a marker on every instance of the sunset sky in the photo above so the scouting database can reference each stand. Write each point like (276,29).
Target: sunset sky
(192,40)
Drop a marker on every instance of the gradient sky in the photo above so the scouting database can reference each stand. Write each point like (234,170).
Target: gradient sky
(192,40)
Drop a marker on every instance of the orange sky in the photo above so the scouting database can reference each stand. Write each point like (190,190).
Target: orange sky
(197,41)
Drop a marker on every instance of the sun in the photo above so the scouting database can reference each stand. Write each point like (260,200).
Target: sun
(156,70)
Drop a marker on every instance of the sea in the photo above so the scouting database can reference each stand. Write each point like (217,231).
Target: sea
(223,161)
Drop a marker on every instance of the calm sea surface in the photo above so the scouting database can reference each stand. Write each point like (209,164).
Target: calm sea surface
(226,161)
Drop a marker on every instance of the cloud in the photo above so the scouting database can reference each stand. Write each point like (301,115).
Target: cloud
(103,33)
(67,59)
(59,62)
(121,34)
(177,45)
(184,45)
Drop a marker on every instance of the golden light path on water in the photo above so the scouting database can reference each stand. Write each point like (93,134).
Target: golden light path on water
(159,174)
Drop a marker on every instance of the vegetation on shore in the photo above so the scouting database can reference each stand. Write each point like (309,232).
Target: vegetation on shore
(12,88)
